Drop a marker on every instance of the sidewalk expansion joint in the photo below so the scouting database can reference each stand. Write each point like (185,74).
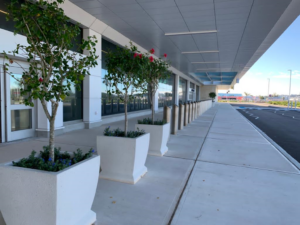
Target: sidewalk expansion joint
(189,176)
(250,167)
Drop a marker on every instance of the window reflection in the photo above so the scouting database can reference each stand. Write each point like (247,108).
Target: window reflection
(72,105)
(192,92)
(113,104)
(15,90)
(21,119)
(182,90)
(165,91)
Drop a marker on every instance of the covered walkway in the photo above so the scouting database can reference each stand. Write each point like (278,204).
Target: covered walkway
(218,170)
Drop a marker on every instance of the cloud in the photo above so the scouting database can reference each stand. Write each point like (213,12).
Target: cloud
(295,75)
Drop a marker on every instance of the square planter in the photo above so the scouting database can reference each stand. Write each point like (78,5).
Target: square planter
(123,159)
(35,197)
(159,136)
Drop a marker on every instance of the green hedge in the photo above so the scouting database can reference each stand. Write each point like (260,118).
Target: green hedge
(284,103)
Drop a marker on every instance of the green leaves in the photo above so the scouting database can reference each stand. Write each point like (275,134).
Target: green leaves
(43,162)
(123,68)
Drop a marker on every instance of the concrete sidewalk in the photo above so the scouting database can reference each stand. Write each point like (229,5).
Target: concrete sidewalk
(151,201)
(239,178)
(218,170)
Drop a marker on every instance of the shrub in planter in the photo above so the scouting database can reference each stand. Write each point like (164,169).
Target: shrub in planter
(123,153)
(45,183)
(49,188)
(43,162)
(159,135)
(148,121)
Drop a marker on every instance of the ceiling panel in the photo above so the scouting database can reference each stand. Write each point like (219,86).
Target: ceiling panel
(242,26)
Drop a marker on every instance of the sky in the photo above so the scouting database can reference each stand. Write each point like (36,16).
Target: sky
(282,56)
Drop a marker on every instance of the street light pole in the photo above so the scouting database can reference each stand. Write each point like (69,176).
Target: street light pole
(268,87)
(290,87)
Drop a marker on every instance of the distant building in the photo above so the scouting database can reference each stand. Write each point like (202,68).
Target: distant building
(230,96)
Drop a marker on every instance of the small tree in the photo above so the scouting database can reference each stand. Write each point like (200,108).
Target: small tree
(154,70)
(53,68)
(212,95)
(124,66)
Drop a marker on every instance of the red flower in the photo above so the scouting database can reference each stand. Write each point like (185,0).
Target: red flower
(152,50)
(141,56)
(135,55)
(151,58)
(41,80)
(11,61)
(165,55)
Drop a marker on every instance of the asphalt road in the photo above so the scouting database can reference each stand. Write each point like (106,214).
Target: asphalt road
(253,105)
(281,126)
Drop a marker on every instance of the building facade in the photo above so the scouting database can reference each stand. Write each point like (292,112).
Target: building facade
(211,45)
(89,107)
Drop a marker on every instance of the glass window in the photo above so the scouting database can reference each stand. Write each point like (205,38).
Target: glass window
(72,105)
(192,92)
(10,25)
(112,104)
(182,90)
(197,93)
(15,90)
(21,119)
(166,91)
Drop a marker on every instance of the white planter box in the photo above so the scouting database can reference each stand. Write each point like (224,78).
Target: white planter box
(123,159)
(35,197)
(159,136)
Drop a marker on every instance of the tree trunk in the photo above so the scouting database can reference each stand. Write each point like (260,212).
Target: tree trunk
(126,120)
(51,140)
(152,106)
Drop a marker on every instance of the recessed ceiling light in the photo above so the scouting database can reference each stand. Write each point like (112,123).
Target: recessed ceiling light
(203,62)
(210,69)
(192,32)
(199,52)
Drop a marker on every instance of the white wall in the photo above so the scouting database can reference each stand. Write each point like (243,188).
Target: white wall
(205,90)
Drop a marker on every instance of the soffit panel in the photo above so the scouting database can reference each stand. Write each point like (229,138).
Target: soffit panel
(242,26)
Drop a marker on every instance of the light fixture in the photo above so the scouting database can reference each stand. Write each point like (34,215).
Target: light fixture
(210,69)
(4,12)
(192,32)
(200,52)
(203,62)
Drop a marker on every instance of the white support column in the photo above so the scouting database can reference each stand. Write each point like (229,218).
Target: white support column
(92,88)
(43,125)
(176,87)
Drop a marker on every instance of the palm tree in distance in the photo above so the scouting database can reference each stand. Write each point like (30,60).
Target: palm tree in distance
(247,94)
